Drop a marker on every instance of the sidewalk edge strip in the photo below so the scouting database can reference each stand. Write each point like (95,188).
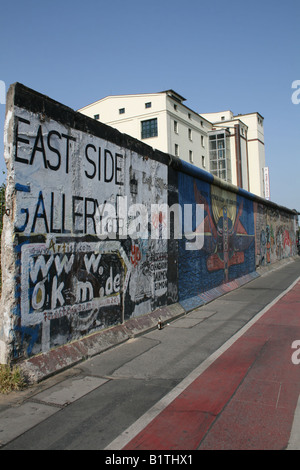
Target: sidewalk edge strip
(132,431)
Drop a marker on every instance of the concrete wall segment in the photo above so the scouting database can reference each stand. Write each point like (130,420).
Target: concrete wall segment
(63,282)
(62,279)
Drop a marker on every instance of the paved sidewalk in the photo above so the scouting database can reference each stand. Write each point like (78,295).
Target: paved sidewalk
(240,392)
(244,400)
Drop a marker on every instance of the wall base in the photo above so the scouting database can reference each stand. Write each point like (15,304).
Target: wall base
(205,297)
(56,360)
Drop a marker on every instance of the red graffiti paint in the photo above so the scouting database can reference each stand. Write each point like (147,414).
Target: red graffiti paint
(135,255)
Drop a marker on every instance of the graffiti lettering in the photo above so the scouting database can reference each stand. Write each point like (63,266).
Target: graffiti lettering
(57,295)
(159,267)
(51,275)
(53,150)
(40,265)
(84,292)
(92,262)
(112,284)
(112,167)
(63,215)
(39,148)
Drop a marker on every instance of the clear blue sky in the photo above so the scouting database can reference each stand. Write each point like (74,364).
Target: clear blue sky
(219,55)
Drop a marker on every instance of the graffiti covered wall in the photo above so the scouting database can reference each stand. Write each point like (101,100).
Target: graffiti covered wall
(275,234)
(229,238)
(76,201)
(88,241)
(241,233)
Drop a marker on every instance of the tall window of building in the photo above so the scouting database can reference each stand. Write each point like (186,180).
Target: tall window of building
(190,134)
(191,156)
(260,121)
(176,150)
(219,156)
(202,141)
(149,128)
(176,127)
(203,161)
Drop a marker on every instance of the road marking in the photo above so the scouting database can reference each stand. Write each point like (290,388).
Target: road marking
(124,438)
(294,441)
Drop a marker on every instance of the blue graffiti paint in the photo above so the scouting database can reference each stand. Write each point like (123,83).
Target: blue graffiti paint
(229,247)
(29,336)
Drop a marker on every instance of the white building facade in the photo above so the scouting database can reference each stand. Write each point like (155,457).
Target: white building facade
(245,150)
(230,147)
(160,120)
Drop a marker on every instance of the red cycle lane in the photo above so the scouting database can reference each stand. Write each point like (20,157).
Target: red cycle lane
(245,399)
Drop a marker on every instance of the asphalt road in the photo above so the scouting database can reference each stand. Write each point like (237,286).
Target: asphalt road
(89,406)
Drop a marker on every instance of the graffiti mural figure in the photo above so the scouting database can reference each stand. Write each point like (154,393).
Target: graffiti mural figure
(226,238)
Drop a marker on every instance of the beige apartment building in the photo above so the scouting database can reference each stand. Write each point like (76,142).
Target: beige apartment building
(230,147)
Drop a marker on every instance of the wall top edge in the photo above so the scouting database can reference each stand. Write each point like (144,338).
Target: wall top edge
(25,97)
(35,102)
(191,170)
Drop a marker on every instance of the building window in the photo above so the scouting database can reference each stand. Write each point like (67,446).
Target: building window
(121,110)
(175,107)
(202,141)
(96,116)
(203,161)
(148,105)
(149,128)
(190,134)
(189,115)
(219,156)
(176,127)
(176,150)
(191,156)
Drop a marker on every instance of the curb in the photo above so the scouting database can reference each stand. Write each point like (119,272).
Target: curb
(56,360)
(45,365)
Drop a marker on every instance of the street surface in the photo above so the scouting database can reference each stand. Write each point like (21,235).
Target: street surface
(221,377)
